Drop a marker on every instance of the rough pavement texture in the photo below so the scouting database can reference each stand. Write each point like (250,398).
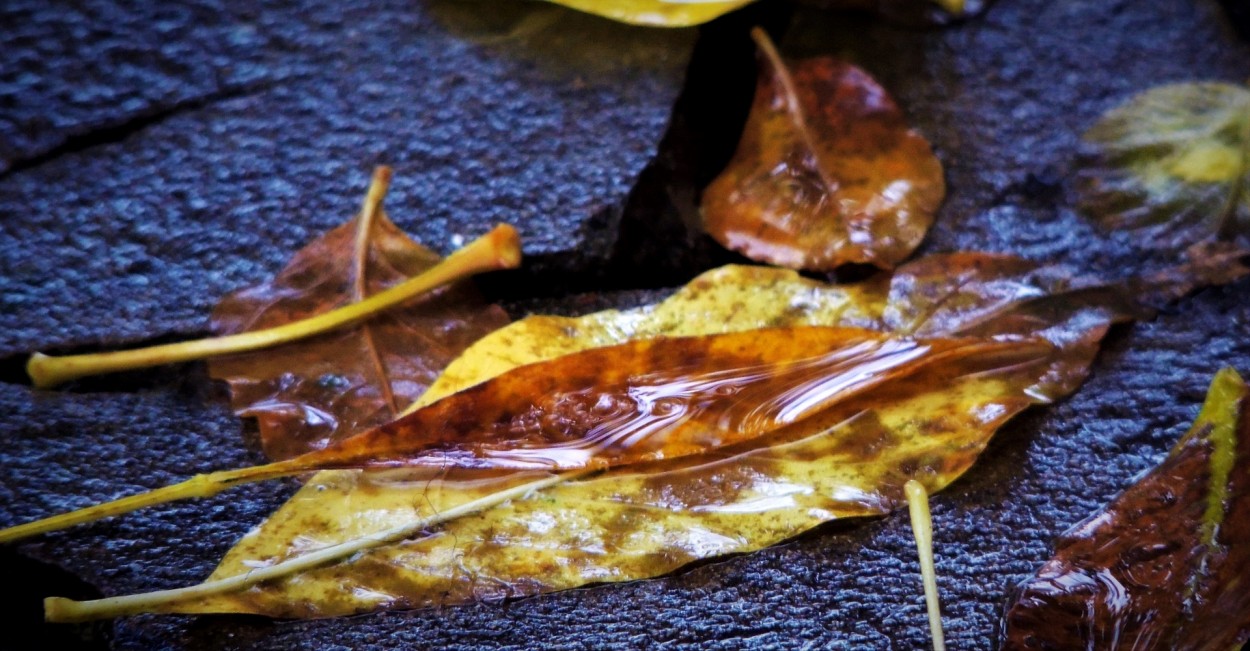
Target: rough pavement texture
(543,118)
(134,239)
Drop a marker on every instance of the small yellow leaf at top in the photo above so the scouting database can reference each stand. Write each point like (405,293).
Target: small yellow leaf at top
(657,13)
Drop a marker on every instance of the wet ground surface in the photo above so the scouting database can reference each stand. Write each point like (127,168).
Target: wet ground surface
(154,159)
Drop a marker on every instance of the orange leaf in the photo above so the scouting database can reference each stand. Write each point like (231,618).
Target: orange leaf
(652,399)
(827,171)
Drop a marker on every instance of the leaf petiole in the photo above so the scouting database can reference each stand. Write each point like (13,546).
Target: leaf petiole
(498,249)
(205,485)
(922,529)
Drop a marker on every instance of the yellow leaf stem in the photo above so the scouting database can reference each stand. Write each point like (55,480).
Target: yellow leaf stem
(498,249)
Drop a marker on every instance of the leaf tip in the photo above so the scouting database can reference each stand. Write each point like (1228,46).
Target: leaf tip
(1223,396)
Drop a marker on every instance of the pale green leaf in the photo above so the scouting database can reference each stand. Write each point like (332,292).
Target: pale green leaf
(1172,165)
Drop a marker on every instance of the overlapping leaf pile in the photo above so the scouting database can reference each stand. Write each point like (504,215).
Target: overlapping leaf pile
(1163,566)
(850,458)
(747,408)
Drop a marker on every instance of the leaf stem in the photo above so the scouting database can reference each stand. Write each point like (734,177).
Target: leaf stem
(205,485)
(360,282)
(59,609)
(793,107)
(498,249)
(922,529)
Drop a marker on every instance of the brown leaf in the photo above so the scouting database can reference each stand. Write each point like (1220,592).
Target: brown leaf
(309,393)
(1162,566)
(827,171)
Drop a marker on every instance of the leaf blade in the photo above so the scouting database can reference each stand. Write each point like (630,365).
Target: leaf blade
(656,13)
(827,171)
(1171,165)
(431,565)
(1164,561)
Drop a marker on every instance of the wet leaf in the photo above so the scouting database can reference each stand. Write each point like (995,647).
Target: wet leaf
(827,171)
(848,458)
(1164,565)
(309,393)
(1172,166)
(652,399)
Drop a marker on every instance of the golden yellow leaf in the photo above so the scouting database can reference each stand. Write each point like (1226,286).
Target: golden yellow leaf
(637,521)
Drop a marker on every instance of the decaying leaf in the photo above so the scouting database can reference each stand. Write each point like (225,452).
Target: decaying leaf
(309,393)
(1165,564)
(827,171)
(1173,165)
(851,458)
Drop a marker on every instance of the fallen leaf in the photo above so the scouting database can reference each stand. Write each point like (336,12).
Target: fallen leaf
(1172,166)
(827,171)
(652,399)
(851,446)
(848,459)
(309,393)
(1164,565)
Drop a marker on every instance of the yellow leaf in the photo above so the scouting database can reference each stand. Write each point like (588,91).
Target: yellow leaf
(645,520)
